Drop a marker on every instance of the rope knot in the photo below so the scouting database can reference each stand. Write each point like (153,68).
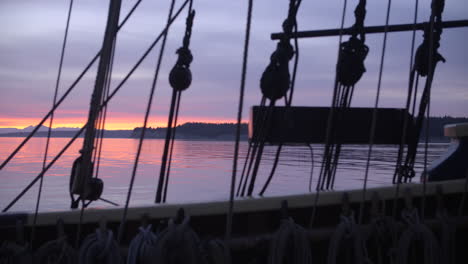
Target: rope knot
(290,22)
(406,171)
(188,28)
(288,25)
(437,7)
(360,15)
(185,57)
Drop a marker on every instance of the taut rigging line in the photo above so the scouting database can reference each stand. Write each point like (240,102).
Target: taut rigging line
(274,84)
(180,79)
(349,70)
(145,122)
(49,130)
(67,92)
(111,95)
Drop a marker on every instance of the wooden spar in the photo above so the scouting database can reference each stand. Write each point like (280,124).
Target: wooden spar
(369,30)
(103,68)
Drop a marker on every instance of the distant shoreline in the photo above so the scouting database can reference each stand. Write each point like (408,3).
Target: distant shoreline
(222,138)
(209,131)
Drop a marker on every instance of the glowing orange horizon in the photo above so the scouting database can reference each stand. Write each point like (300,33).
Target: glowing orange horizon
(112,124)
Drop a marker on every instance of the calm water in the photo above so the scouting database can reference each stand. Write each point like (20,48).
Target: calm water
(200,171)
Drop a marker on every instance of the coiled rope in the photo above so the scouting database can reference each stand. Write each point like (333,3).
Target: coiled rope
(348,236)
(417,232)
(56,251)
(101,248)
(447,230)
(142,246)
(216,252)
(290,243)
(178,243)
(18,252)
(379,241)
(14,253)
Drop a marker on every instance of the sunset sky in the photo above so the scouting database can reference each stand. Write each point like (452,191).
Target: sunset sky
(31,34)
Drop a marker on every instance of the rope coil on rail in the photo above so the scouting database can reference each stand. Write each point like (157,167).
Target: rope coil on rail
(347,232)
(142,246)
(447,238)
(178,243)
(290,243)
(101,248)
(216,252)
(378,240)
(14,253)
(56,251)
(417,232)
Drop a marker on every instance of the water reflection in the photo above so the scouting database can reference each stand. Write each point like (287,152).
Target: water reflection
(200,170)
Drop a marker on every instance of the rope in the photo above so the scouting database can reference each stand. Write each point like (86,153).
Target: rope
(461,208)
(288,103)
(171,148)
(41,174)
(312,166)
(180,79)
(379,238)
(215,252)
(349,70)
(266,125)
(103,113)
(347,232)
(290,242)
(412,72)
(424,176)
(67,92)
(426,60)
(142,246)
(57,83)
(374,115)
(437,7)
(114,92)
(14,253)
(329,121)
(84,184)
(274,84)
(239,121)
(145,122)
(100,247)
(330,115)
(56,251)
(272,172)
(259,131)
(416,231)
(447,237)
(178,243)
